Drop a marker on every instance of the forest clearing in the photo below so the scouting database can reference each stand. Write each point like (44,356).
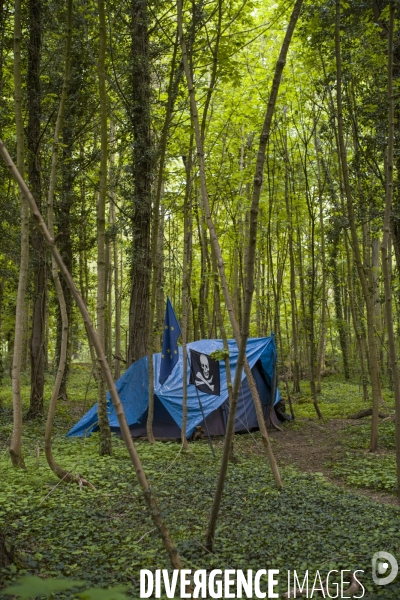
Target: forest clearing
(199,299)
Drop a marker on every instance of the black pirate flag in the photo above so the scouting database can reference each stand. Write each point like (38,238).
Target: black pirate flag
(204,373)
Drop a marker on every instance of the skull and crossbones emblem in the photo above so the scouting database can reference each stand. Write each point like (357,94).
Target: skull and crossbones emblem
(204,377)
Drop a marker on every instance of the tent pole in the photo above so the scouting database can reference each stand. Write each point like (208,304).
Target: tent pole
(273,393)
(273,390)
(202,411)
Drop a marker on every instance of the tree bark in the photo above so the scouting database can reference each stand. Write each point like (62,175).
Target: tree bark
(15,445)
(186,276)
(115,263)
(63,474)
(174,79)
(105,432)
(296,365)
(322,340)
(309,317)
(34,175)
(142,174)
(385,247)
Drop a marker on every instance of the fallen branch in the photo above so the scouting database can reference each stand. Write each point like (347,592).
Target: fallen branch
(367,412)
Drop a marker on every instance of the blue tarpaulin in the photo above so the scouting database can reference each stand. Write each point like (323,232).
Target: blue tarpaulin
(133,391)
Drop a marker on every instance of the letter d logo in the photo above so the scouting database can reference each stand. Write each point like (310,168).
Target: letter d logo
(380,565)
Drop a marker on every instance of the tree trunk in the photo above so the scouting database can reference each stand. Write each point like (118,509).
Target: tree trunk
(142,175)
(356,319)
(15,445)
(160,299)
(337,298)
(309,317)
(63,220)
(296,365)
(105,432)
(83,268)
(322,340)
(186,276)
(385,247)
(115,267)
(34,175)
(174,79)
(373,355)
(63,474)
(374,273)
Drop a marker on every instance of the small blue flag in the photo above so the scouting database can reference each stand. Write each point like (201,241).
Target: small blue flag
(169,352)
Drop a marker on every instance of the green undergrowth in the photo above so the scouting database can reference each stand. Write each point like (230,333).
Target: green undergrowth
(374,471)
(357,436)
(105,537)
(338,399)
(360,468)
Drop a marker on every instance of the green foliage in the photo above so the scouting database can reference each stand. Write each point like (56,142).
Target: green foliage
(357,436)
(111,593)
(30,586)
(376,471)
(338,400)
(220,354)
(104,537)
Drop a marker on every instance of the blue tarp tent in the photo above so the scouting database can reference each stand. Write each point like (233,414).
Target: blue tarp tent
(133,392)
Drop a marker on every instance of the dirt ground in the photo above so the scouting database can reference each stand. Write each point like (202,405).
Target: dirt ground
(311,446)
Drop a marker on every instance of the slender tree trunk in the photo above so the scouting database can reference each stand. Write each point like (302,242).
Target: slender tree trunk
(63,220)
(108,290)
(374,274)
(337,297)
(203,287)
(34,174)
(115,259)
(15,445)
(385,247)
(296,365)
(151,502)
(355,319)
(54,466)
(84,279)
(322,340)
(309,317)
(373,355)
(186,276)
(160,299)
(105,432)
(241,338)
(174,79)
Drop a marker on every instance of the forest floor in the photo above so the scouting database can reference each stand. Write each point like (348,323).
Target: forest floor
(338,505)
(321,447)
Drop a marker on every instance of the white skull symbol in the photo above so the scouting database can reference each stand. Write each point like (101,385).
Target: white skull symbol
(205,365)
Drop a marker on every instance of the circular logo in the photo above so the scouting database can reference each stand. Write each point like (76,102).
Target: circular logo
(380,568)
